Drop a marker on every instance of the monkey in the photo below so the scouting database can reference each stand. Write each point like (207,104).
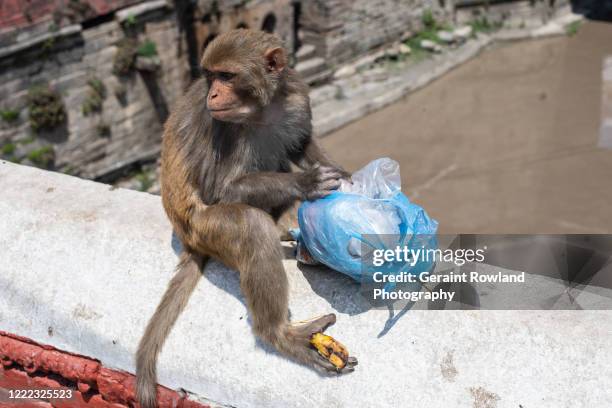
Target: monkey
(226,177)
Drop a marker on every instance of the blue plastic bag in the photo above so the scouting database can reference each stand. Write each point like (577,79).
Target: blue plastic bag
(342,229)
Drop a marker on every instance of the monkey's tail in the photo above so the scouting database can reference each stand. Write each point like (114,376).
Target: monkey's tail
(188,274)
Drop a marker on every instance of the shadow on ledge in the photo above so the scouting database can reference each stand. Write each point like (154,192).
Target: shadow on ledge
(342,295)
(341,292)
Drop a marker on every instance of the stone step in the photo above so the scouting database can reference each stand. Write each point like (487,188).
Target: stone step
(319,78)
(305,52)
(310,66)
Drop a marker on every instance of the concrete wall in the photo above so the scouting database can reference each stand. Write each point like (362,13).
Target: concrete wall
(343,29)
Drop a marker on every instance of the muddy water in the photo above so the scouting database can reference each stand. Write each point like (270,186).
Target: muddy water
(506,143)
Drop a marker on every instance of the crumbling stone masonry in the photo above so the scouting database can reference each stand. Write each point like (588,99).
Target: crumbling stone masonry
(107,72)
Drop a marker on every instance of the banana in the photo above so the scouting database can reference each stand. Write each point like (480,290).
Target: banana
(331,349)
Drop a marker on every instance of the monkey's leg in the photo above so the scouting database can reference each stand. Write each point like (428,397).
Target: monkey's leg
(246,239)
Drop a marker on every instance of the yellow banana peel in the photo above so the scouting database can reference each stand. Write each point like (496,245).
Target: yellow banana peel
(334,351)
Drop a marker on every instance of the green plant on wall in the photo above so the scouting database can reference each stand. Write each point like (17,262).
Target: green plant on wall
(8,152)
(97,86)
(123,61)
(42,157)
(572,28)
(483,25)
(69,169)
(429,32)
(130,21)
(428,19)
(9,115)
(145,179)
(47,45)
(96,93)
(46,108)
(8,149)
(28,140)
(28,150)
(147,49)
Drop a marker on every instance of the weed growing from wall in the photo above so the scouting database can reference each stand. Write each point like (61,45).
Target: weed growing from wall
(46,108)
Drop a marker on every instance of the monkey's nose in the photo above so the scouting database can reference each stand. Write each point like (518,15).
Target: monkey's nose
(213,96)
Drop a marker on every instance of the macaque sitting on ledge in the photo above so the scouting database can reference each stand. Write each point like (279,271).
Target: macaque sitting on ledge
(226,179)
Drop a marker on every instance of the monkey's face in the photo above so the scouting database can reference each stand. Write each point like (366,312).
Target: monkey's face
(243,69)
(223,100)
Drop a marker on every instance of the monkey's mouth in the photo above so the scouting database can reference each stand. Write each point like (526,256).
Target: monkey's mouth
(224,113)
(233,113)
(225,108)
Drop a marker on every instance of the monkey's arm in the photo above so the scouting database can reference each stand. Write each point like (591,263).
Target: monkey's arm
(312,155)
(180,197)
(268,190)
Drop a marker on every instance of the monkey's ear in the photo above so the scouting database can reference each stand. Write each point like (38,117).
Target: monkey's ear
(276,60)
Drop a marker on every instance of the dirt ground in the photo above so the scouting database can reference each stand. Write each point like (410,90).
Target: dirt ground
(506,143)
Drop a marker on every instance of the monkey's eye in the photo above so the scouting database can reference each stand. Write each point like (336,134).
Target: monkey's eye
(225,76)
(208,75)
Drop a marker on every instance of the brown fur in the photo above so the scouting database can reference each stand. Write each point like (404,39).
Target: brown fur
(172,304)
(224,184)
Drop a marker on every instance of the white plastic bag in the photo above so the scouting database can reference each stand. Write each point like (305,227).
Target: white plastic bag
(379,179)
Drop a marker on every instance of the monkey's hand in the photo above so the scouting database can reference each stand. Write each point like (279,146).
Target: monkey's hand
(320,350)
(345,174)
(319,181)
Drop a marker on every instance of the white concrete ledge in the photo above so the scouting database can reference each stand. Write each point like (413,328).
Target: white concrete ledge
(140,9)
(83,266)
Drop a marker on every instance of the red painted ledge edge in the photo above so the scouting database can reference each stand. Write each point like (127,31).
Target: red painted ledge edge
(26,364)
